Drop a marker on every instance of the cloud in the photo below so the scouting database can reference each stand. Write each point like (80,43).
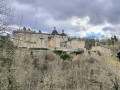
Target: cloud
(77,17)
(97,10)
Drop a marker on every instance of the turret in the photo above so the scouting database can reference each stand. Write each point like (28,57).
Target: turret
(63,34)
(54,31)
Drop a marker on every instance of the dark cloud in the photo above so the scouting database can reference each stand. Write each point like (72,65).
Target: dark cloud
(98,10)
(59,13)
(112,30)
(108,28)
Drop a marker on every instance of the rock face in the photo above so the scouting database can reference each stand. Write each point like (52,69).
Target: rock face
(43,70)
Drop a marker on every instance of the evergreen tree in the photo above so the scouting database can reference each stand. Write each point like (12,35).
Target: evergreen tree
(24,28)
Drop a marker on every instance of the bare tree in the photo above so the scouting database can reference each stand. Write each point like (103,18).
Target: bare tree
(20,21)
(6,15)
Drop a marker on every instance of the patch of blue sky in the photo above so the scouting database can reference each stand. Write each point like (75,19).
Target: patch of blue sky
(95,35)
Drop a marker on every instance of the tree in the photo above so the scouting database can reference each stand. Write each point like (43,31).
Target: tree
(115,38)
(89,43)
(6,15)
(24,28)
(65,56)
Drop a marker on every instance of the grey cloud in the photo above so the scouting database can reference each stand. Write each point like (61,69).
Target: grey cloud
(59,11)
(113,30)
(98,10)
(108,28)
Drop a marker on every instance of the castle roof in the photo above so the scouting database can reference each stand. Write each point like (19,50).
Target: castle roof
(55,32)
(63,34)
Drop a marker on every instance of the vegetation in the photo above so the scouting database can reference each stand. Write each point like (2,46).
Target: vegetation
(65,56)
(6,62)
(89,52)
(118,55)
(38,49)
(115,84)
(89,43)
(99,53)
(85,74)
(79,52)
(6,43)
(58,52)
(45,71)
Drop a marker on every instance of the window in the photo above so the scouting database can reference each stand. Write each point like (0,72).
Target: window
(20,44)
(41,37)
(20,36)
(31,44)
(25,44)
(34,44)
(24,36)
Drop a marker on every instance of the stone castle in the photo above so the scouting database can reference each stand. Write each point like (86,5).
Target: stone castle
(30,39)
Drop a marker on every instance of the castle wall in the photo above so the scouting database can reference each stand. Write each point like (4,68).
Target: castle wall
(63,38)
(30,39)
(39,41)
(73,44)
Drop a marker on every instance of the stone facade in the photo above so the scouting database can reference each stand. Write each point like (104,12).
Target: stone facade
(73,43)
(30,39)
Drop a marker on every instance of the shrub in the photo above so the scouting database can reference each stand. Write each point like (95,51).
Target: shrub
(79,52)
(6,44)
(44,67)
(31,53)
(99,53)
(115,83)
(91,60)
(58,52)
(6,62)
(46,57)
(89,52)
(118,55)
(65,56)
(36,63)
(38,49)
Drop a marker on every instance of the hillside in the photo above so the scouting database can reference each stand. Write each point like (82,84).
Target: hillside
(44,70)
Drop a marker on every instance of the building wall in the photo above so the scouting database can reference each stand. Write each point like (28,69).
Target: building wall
(30,40)
(41,40)
(63,38)
(73,44)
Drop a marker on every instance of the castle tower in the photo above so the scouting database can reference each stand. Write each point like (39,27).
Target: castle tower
(55,32)
(63,34)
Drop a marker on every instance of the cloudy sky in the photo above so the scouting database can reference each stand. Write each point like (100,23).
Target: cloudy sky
(77,17)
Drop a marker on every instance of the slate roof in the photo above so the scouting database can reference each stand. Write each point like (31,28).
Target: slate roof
(55,32)
(63,34)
